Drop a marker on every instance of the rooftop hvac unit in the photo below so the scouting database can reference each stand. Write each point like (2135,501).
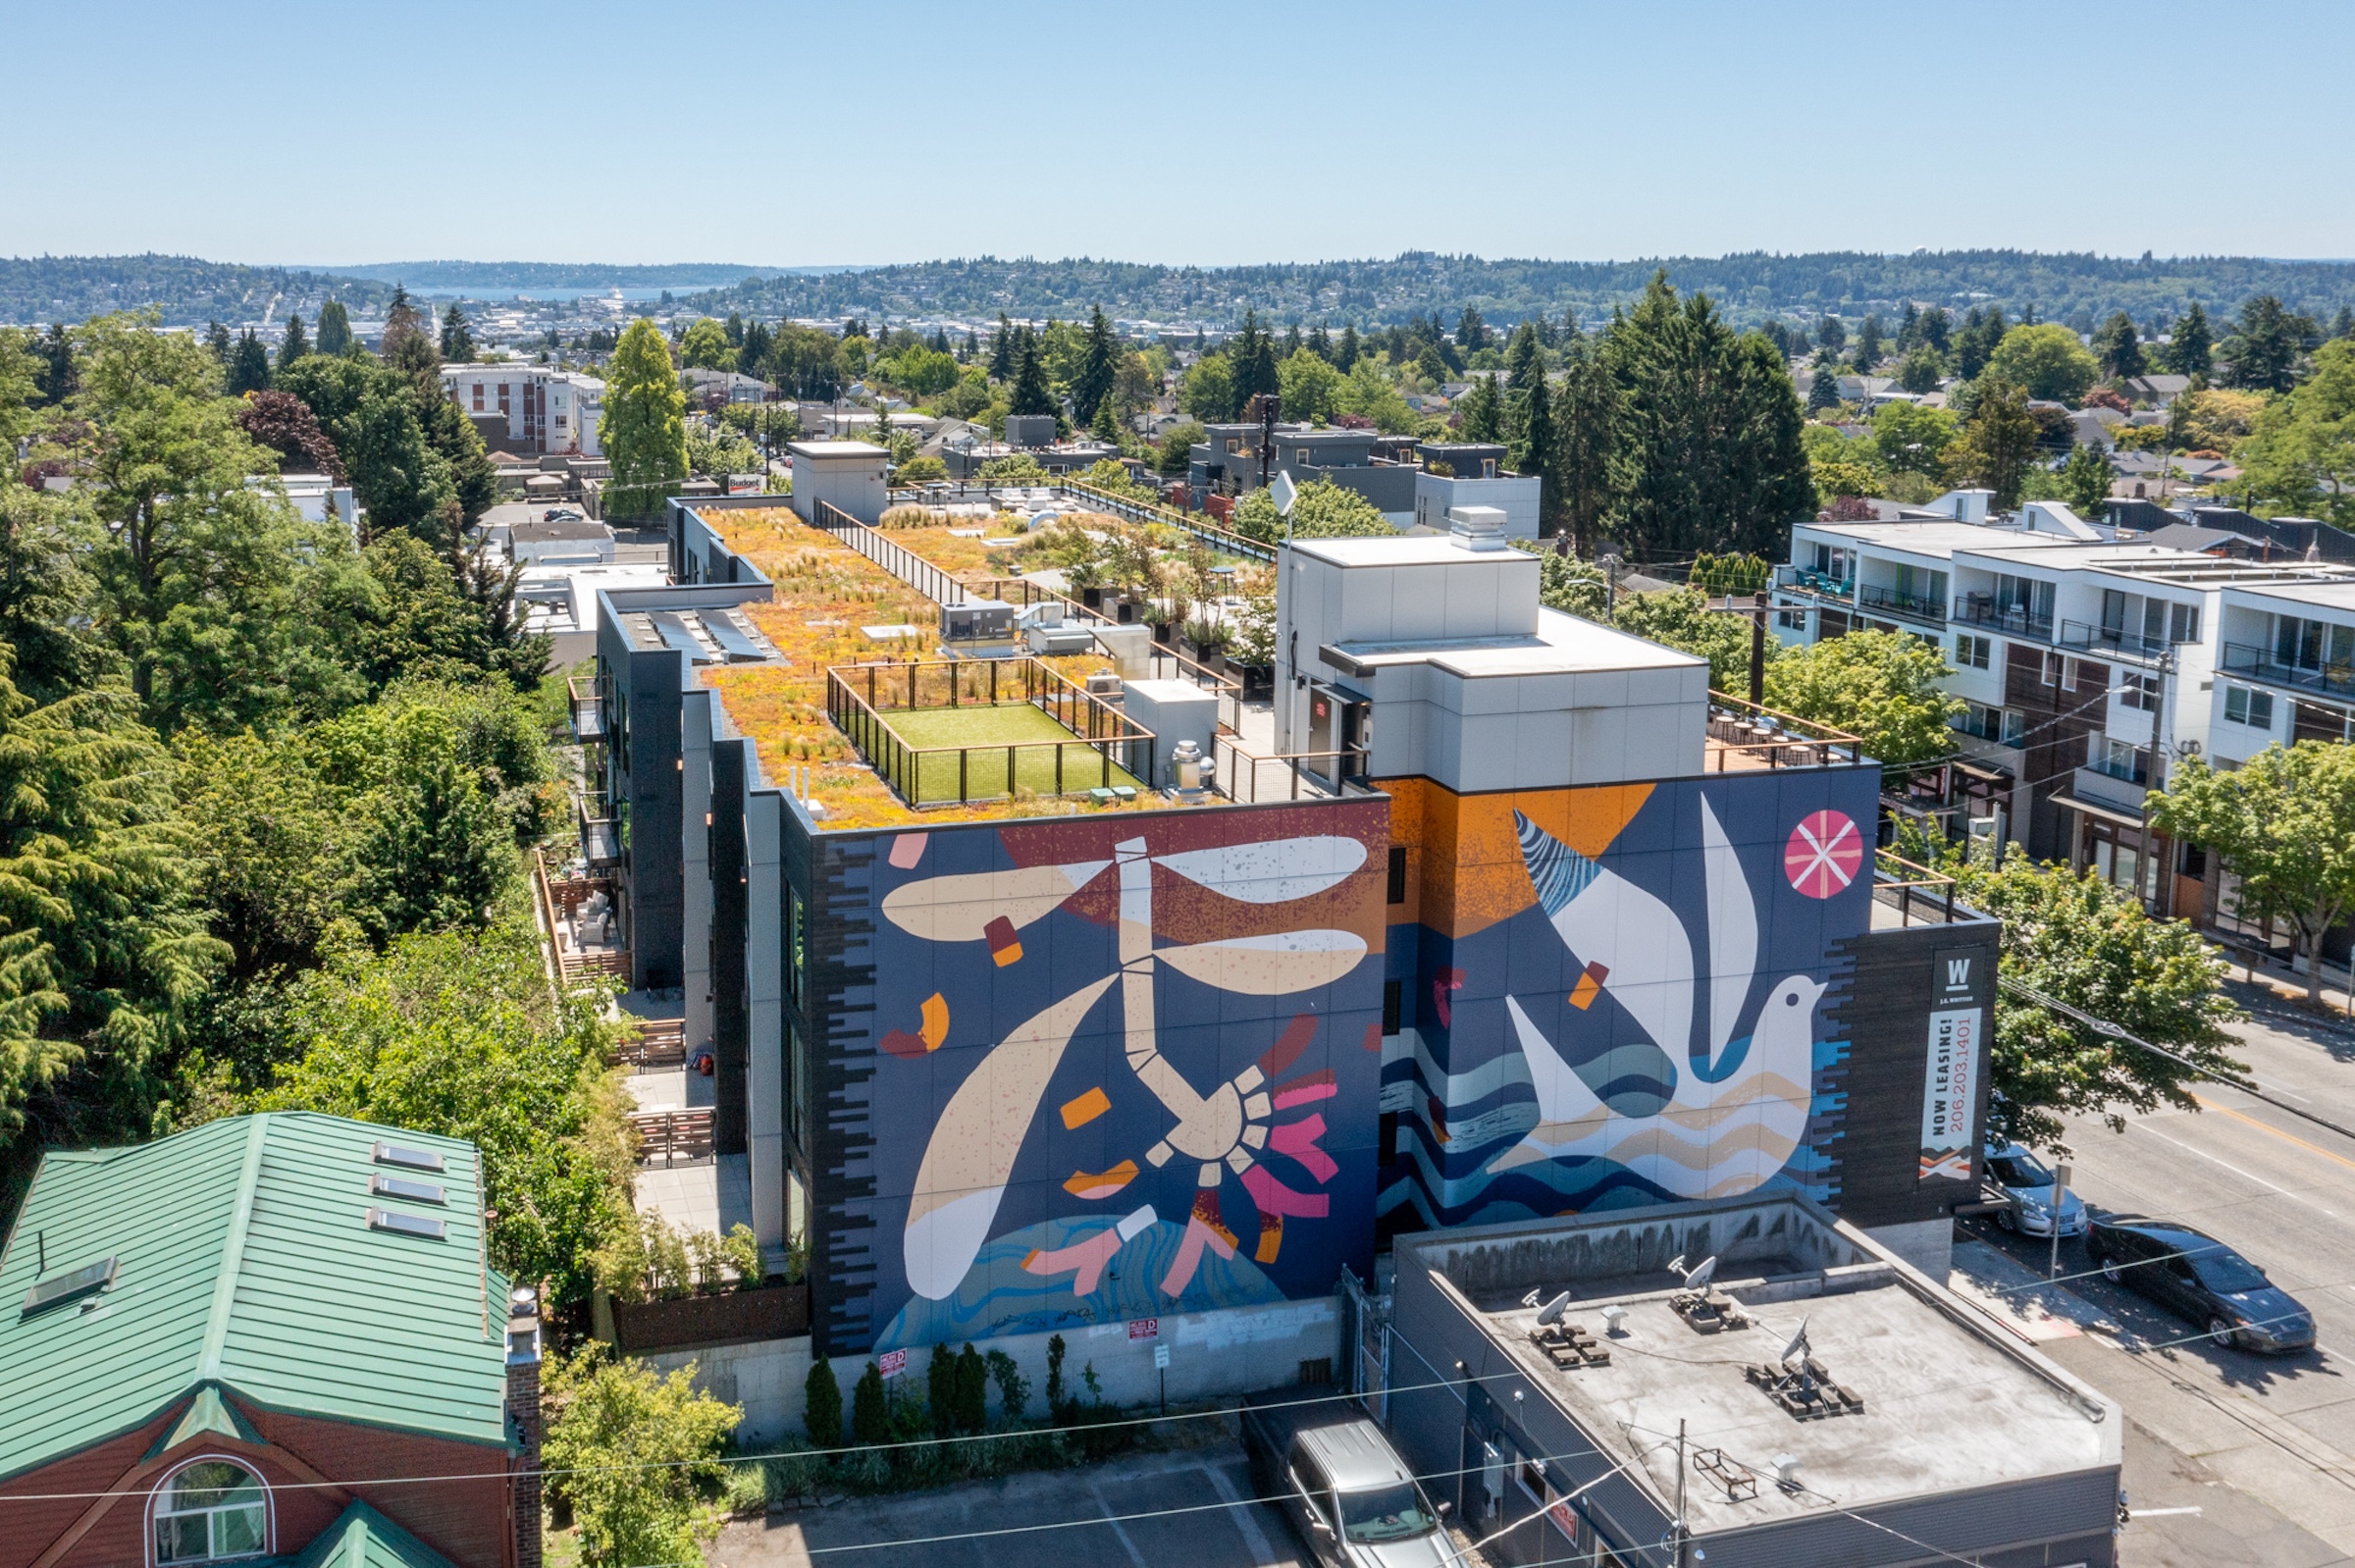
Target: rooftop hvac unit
(977,620)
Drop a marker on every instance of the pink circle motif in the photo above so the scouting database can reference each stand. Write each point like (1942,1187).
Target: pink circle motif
(1824,853)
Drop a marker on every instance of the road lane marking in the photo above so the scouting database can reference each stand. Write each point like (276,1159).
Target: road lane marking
(1114,1520)
(1255,1540)
(2236,1170)
(2264,1126)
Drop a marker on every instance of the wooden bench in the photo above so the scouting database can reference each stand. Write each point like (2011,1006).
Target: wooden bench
(660,1042)
(672,1133)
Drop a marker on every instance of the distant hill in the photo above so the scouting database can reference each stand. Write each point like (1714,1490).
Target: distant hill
(2078,288)
(188,291)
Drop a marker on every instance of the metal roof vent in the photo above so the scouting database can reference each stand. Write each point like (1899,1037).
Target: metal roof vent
(1786,1471)
(1476,527)
(59,1289)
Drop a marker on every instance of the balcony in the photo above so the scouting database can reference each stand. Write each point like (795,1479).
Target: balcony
(2112,642)
(2012,620)
(2259,664)
(1817,585)
(1894,601)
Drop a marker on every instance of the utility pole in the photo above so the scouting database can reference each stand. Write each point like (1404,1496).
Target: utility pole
(1684,1533)
(1757,649)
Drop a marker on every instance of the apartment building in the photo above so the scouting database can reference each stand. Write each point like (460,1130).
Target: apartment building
(2087,668)
(1411,483)
(529,409)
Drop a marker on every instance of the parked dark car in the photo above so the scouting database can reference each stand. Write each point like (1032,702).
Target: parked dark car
(2200,1279)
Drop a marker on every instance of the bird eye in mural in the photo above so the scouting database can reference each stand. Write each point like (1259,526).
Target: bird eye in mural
(1210,945)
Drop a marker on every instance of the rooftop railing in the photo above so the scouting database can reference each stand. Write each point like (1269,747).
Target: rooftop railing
(1919,894)
(1738,728)
(859,696)
(1977,609)
(1892,602)
(2111,640)
(1805,580)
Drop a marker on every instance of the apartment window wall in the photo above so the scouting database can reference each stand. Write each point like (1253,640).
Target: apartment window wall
(1973,651)
(2315,646)
(2248,707)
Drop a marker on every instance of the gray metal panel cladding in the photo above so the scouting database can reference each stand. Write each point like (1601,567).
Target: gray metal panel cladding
(2079,1508)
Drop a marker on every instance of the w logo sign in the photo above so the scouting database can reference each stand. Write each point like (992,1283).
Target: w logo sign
(1957,974)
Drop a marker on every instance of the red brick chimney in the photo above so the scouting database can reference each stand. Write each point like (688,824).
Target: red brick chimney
(523,1409)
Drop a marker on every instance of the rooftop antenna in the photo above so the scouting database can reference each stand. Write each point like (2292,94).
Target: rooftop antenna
(1798,1349)
(1551,1313)
(1703,1275)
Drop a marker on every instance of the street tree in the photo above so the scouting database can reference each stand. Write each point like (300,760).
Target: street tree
(627,1447)
(2118,348)
(335,329)
(1681,618)
(1998,442)
(1881,687)
(457,336)
(2047,360)
(643,430)
(2190,348)
(293,346)
(2082,942)
(2284,822)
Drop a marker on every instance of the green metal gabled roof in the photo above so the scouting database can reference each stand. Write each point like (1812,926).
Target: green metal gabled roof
(362,1537)
(244,1261)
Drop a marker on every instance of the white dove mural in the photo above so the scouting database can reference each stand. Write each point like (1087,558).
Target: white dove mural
(1737,1111)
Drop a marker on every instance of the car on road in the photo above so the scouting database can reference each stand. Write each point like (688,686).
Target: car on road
(2023,1185)
(1353,1501)
(2200,1279)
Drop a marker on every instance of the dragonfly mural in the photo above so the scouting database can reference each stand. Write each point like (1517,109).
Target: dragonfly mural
(1223,1129)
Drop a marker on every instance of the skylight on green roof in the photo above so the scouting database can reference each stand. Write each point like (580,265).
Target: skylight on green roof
(58,1288)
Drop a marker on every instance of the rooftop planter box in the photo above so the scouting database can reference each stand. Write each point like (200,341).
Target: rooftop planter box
(773,1311)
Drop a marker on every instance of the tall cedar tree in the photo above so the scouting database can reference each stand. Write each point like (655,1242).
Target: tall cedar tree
(1709,454)
(1254,358)
(1537,451)
(645,426)
(1099,363)
(2190,348)
(1030,393)
(335,329)
(1344,355)
(1587,422)
(1998,444)
(2118,348)
(1001,351)
(2263,351)
(294,345)
(1482,411)
(1471,332)
(217,339)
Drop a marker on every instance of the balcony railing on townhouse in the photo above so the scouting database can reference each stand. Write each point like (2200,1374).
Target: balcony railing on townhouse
(1892,602)
(2112,641)
(2261,664)
(588,712)
(1918,894)
(2013,620)
(1822,585)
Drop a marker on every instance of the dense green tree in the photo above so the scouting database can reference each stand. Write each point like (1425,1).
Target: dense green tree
(2047,360)
(1909,439)
(1868,345)
(217,339)
(706,347)
(1681,618)
(1030,394)
(1569,585)
(821,1405)
(284,423)
(1208,392)
(2086,478)
(47,593)
(627,1450)
(457,336)
(644,431)
(455,1032)
(101,955)
(1823,388)
(1831,334)
(270,854)
(2118,348)
(871,1408)
(1975,344)
(2283,822)
(1921,371)
(1347,351)
(1253,357)
(335,329)
(2265,345)
(1310,385)
(2302,453)
(1587,424)
(1320,509)
(248,365)
(1099,365)
(1471,332)
(1998,442)
(1710,452)
(369,413)
(2190,349)
(1881,687)
(1536,450)
(293,346)
(1480,410)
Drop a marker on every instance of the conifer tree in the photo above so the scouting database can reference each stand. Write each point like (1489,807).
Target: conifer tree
(1099,366)
(1030,394)
(1320,343)
(457,336)
(645,426)
(1536,448)
(335,330)
(2191,345)
(1482,411)
(1824,392)
(821,1405)
(217,339)
(2118,348)
(1001,351)
(1345,354)
(294,345)
(248,366)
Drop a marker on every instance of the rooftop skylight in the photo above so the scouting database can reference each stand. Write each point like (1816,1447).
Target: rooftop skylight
(415,1158)
(407,1224)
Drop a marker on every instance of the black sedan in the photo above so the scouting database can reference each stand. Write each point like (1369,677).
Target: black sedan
(2201,1280)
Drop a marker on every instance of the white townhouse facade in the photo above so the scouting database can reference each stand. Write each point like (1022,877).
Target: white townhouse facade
(546,411)
(2088,667)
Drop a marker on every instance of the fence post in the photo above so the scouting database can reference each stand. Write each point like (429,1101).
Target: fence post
(964,757)
(1009,750)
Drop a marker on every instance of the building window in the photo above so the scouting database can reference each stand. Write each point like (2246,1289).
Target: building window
(478,396)
(2120,760)
(797,945)
(2245,707)
(1791,620)
(213,1510)
(2139,692)
(559,421)
(2016,728)
(1397,887)
(1972,652)
(1986,723)
(2053,665)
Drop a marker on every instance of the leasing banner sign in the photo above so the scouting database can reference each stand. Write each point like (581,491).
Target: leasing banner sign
(1950,1093)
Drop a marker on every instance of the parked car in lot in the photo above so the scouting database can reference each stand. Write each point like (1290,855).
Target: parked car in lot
(2023,1185)
(1347,1492)
(2200,1279)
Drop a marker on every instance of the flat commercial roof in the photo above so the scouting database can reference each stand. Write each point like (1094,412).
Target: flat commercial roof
(1561,644)
(1406,550)
(835,448)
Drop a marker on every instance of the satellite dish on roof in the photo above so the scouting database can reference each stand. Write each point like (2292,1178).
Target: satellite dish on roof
(1798,1349)
(1676,1265)
(1534,1297)
(1552,1312)
(1703,1275)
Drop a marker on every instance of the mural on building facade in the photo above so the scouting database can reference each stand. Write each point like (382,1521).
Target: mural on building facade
(1618,990)
(1128,1066)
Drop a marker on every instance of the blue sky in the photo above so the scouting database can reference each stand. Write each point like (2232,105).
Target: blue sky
(792,133)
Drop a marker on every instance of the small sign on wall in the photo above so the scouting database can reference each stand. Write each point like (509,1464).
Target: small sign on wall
(1145,1329)
(1950,1096)
(891,1363)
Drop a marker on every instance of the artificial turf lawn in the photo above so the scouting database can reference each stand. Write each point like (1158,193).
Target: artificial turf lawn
(1006,724)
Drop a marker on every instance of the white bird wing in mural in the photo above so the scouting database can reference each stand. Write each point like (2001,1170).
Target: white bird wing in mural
(1270,871)
(1726,1128)
(1276,965)
(959,909)
(973,1149)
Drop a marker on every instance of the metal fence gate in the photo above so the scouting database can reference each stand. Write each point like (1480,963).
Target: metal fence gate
(1366,1346)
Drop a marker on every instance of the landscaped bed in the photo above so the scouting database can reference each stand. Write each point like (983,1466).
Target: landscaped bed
(982,735)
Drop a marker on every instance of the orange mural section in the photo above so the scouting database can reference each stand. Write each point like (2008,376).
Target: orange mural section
(1464,867)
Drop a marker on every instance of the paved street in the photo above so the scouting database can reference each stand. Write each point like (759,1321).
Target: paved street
(2208,1422)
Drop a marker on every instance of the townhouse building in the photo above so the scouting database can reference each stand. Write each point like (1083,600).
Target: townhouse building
(2088,666)
(529,409)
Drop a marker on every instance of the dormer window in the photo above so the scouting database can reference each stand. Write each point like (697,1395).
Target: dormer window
(212,1512)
